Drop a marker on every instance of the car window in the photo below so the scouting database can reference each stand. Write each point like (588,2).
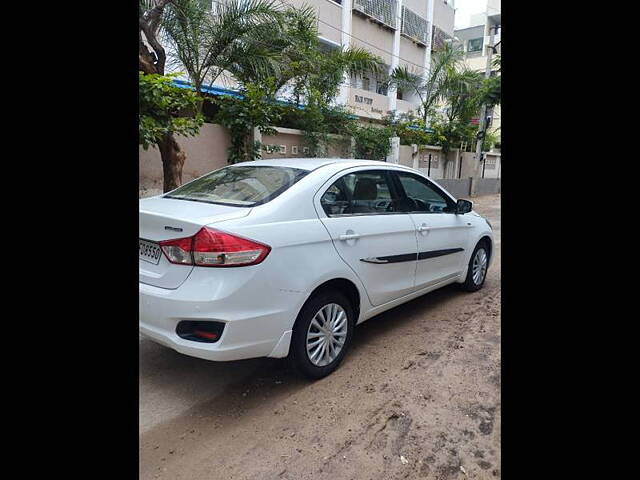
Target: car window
(241,186)
(422,196)
(359,193)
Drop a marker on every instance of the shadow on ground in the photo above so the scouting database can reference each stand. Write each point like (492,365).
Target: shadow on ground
(221,383)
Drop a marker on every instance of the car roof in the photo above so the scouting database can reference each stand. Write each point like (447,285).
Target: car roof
(314,163)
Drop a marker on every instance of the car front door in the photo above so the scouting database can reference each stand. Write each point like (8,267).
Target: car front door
(359,210)
(442,235)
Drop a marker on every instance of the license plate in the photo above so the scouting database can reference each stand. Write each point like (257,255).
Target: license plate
(150,252)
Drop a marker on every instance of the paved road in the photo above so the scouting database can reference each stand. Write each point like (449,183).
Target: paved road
(422,381)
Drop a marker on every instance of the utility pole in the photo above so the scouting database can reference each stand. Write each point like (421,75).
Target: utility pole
(484,163)
(483,111)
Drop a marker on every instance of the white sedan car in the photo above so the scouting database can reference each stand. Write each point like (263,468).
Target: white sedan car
(283,258)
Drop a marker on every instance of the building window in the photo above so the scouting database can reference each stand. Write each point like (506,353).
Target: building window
(366,83)
(294,149)
(382,88)
(474,45)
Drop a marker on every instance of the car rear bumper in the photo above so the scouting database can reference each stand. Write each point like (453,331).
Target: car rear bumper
(257,318)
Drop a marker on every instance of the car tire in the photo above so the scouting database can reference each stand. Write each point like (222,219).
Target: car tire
(474,282)
(331,303)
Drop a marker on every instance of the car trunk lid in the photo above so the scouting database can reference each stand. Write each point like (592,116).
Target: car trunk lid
(167,219)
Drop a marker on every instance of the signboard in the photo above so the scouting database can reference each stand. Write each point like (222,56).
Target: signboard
(366,100)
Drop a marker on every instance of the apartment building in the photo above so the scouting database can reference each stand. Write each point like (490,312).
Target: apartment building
(475,40)
(401,32)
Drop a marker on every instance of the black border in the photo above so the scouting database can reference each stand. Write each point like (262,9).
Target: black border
(71,237)
(74,226)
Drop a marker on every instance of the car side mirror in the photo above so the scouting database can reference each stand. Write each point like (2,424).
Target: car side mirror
(463,206)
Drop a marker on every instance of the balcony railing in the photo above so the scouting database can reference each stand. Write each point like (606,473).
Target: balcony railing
(382,11)
(439,38)
(415,27)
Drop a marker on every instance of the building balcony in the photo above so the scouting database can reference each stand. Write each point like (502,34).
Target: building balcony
(365,103)
(439,38)
(415,27)
(403,106)
(379,11)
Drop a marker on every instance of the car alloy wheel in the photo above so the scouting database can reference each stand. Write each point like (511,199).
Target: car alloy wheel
(479,266)
(326,334)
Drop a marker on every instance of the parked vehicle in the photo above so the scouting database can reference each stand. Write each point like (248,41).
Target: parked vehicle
(285,257)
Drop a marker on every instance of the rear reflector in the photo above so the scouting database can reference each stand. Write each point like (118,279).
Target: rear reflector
(214,248)
(207,335)
(200,330)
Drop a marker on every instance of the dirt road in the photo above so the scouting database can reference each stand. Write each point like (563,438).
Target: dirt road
(418,396)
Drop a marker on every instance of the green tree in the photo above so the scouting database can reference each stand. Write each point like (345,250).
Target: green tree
(165,111)
(293,56)
(207,39)
(152,61)
(410,129)
(298,65)
(201,42)
(429,89)
(371,143)
(285,51)
(462,95)
(241,115)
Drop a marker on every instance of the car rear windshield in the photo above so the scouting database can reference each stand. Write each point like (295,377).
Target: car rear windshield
(241,186)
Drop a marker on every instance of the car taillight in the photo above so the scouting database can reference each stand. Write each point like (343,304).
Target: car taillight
(178,251)
(213,248)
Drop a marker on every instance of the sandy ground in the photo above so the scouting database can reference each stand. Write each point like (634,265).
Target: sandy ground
(418,396)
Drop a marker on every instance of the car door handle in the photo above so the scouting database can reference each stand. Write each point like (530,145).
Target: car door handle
(349,236)
(423,228)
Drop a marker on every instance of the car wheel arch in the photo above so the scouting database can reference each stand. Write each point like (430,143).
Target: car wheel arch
(346,287)
(483,238)
(486,239)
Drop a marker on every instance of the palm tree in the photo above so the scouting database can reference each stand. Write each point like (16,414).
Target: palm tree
(284,52)
(429,90)
(207,41)
(295,62)
(462,94)
(293,57)
(204,40)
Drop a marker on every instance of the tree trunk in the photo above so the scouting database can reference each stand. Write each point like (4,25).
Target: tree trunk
(172,162)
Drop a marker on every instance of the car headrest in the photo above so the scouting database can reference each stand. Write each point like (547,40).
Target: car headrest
(365,189)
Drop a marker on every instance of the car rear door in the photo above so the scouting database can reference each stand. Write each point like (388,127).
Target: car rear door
(442,235)
(358,209)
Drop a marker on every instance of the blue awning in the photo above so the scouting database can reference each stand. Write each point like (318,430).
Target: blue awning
(220,91)
(210,90)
